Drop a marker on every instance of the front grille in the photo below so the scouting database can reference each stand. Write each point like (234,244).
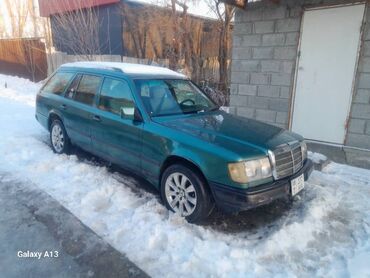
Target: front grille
(288,160)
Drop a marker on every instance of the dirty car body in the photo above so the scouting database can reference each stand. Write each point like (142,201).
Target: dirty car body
(148,119)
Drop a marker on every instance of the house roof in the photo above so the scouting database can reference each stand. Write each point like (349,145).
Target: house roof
(49,7)
(133,70)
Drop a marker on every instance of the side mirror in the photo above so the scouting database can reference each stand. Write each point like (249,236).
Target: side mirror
(131,113)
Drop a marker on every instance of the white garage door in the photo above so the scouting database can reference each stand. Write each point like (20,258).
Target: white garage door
(329,46)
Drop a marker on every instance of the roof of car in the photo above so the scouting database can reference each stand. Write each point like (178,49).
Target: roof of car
(132,70)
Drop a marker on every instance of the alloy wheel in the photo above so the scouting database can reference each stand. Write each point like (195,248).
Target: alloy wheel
(180,194)
(57,138)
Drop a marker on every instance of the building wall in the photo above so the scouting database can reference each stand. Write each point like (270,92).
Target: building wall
(265,46)
(359,122)
(109,30)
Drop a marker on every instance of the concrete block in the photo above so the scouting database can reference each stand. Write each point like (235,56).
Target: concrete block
(243,53)
(268,91)
(366,48)
(232,110)
(245,112)
(251,40)
(357,158)
(282,79)
(285,92)
(296,12)
(239,77)
(288,25)
(364,81)
(270,66)
(364,64)
(359,141)
(249,90)
(279,104)
(258,102)
(361,111)
(287,67)
(237,100)
(357,126)
(292,39)
(367,32)
(367,129)
(362,96)
(274,13)
(263,27)
(285,53)
(260,78)
(263,52)
(245,65)
(234,89)
(280,125)
(244,28)
(248,15)
(237,40)
(282,117)
(273,39)
(266,115)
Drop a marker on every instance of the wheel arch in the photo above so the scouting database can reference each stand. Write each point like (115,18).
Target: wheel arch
(53,115)
(175,159)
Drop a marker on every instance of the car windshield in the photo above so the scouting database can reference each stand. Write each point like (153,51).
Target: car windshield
(172,97)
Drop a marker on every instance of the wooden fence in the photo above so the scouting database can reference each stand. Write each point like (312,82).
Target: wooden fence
(23,57)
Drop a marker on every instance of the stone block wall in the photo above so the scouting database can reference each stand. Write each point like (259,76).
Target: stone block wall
(265,46)
(263,63)
(358,134)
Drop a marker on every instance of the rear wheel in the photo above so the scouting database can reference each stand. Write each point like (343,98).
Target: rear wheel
(186,193)
(58,137)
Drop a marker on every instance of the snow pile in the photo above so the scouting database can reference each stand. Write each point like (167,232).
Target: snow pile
(325,233)
(18,89)
(317,157)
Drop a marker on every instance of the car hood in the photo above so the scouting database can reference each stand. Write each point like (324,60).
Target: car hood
(230,132)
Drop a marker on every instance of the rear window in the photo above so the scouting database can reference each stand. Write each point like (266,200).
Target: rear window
(87,89)
(57,84)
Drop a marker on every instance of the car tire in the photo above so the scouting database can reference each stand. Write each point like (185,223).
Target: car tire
(185,192)
(59,139)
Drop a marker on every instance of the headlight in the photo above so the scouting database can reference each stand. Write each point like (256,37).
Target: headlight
(304,150)
(247,171)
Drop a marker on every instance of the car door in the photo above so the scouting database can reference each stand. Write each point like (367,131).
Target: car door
(79,108)
(115,135)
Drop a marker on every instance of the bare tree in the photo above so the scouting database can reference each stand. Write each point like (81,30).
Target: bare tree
(225,14)
(18,12)
(78,31)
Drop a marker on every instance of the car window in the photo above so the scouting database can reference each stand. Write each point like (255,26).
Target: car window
(116,97)
(87,89)
(57,84)
(170,97)
(73,87)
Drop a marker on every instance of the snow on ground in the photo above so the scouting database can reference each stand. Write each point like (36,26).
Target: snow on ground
(316,157)
(325,233)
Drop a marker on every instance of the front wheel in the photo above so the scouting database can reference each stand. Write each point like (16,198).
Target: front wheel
(58,137)
(186,193)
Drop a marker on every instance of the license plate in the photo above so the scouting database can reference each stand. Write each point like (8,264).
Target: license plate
(297,184)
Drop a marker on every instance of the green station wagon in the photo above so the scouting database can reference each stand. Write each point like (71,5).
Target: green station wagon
(157,124)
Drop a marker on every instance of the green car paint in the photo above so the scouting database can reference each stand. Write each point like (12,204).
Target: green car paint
(210,140)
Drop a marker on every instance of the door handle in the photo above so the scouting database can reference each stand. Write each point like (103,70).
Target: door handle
(96,118)
(63,106)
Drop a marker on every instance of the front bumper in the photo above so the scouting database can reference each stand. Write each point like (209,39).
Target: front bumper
(233,199)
